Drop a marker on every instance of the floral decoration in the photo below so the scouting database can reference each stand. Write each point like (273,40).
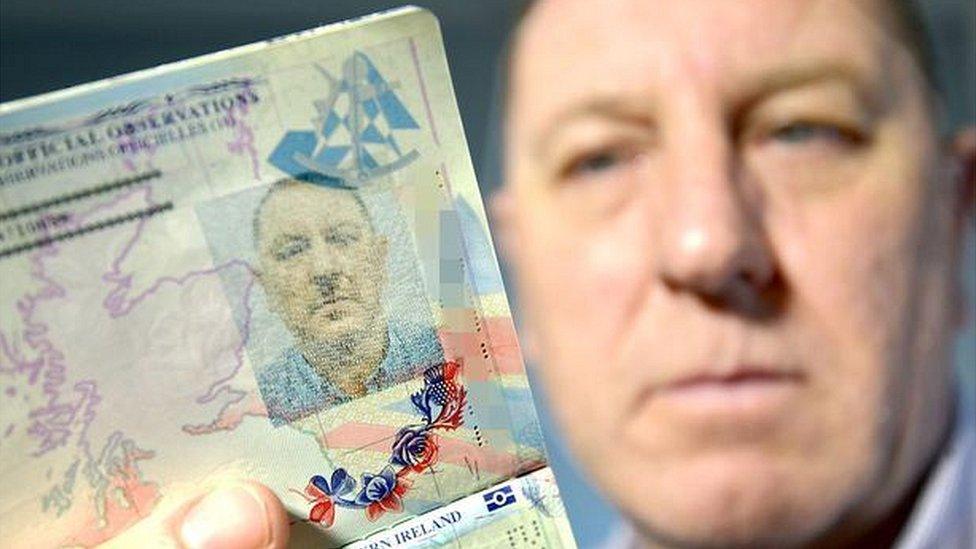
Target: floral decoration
(415,449)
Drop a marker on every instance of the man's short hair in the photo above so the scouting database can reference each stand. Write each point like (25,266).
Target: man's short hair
(288,183)
(914,33)
(910,28)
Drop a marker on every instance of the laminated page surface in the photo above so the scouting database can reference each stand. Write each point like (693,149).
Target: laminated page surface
(271,262)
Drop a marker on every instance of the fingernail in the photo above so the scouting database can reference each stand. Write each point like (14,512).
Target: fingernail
(226,518)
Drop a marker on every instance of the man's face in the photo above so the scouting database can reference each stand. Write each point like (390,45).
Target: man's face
(736,241)
(320,262)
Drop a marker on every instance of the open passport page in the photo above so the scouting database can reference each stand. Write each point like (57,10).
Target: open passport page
(271,262)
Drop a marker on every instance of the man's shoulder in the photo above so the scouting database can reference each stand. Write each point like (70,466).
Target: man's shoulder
(413,347)
(415,343)
(288,366)
(289,387)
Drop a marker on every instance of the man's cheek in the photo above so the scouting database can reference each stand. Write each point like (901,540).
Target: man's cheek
(856,297)
(581,345)
(847,300)
(296,297)
(590,278)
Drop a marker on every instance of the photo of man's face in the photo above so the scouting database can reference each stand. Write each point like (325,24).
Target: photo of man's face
(326,324)
(320,262)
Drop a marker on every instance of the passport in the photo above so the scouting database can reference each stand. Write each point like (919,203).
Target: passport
(271,262)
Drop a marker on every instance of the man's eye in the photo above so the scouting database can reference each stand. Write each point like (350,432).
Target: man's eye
(595,163)
(805,132)
(290,249)
(341,238)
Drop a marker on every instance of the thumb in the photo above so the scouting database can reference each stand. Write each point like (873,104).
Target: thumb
(234,514)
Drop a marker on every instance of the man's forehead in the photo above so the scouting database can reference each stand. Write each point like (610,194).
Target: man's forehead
(702,25)
(641,46)
(300,203)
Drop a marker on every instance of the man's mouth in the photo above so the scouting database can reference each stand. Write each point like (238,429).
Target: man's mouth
(736,377)
(335,299)
(739,390)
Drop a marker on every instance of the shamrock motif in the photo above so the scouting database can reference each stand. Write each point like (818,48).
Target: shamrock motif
(324,494)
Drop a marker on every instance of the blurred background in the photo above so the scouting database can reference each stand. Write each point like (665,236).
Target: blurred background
(46,45)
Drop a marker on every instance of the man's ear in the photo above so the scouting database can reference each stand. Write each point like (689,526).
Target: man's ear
(502,210)
(963,158)
(964,154)
(260,277)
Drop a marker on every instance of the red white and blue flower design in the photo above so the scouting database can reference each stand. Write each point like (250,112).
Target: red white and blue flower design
(441,404)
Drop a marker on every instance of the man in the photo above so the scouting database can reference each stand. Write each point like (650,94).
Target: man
(746,209)
(738,236)
(323,268)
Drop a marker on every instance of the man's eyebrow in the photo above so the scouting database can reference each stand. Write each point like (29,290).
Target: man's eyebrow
(341,224)
(287,237)
(622,109)
(797,75)
(636,111)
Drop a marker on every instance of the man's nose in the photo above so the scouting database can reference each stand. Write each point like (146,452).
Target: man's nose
(327,283)
(712,239)
(324,260)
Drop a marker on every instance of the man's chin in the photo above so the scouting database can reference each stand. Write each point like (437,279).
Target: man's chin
(338,330)
(744,499)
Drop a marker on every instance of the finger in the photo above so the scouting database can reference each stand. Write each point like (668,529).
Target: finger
(234,514)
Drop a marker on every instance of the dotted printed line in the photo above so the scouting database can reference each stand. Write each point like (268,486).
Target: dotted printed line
(104,224)
(100,189)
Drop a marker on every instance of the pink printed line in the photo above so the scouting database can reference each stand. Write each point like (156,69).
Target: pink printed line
(117,305)
(213,390)
(27,306)
(423,91)
(115,302)
(242,403)
(89,389)
(244,138)
(52,422)
(21,364)
(117,308)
